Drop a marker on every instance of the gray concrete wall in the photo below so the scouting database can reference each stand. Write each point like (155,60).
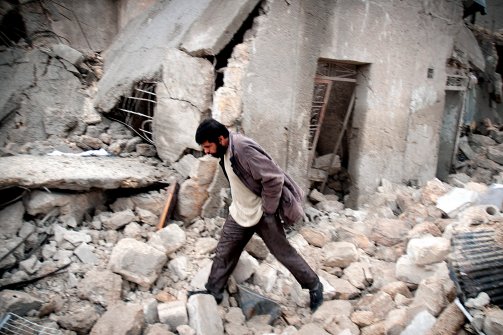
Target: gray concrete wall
(398,111)
(278,87)
(87,25)
(129,9)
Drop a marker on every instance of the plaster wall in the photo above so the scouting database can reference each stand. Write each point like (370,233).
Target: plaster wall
(129,9)
(87,25)
(278,88)
(398,111)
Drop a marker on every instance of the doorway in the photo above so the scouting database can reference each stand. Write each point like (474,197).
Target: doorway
(455,95)
(330,127)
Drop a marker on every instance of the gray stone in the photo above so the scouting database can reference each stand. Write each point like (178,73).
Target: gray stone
(428,250)
(145,149)
(245,268)
(137,261)
(76,237)
(119,219)
(173,314)
(203,315)
(169,239)
(257,248)
(185,165)
(85,253)
(120,319)
(147,217)
(11,219)
(79,318)
(408,271)
(158,329)
(178,266)
(18,302)
(30,265)
(493,323)
(191,199)
(339,254)
(101,287)
(389,232)
(431,296)
(205,245)
(265,277)
(420,325)
(150,311)
(310,329)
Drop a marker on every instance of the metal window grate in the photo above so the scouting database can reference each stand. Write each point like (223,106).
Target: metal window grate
(13,324)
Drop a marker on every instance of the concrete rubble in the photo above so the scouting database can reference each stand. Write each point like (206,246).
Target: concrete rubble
(82,246)
(384,266)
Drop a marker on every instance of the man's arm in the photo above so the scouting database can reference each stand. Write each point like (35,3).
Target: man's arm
(264,170)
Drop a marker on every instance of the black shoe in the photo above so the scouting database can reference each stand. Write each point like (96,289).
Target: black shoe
(218,297)
(316,295)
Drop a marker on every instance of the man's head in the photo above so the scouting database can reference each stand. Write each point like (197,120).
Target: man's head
(213,137)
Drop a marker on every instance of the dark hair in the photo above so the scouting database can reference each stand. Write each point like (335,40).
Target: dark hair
(209,130)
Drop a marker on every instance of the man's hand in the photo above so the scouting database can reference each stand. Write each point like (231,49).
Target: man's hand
(270,219)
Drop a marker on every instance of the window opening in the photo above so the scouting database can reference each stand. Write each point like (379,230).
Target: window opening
(137,111)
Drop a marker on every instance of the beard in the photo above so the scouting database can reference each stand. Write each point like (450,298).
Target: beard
(220,151)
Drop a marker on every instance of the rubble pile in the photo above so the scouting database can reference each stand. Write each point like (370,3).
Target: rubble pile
(87,262)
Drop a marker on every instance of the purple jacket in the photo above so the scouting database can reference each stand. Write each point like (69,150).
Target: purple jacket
(256,169)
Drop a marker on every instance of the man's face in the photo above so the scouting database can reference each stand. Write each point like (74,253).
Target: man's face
(215,149)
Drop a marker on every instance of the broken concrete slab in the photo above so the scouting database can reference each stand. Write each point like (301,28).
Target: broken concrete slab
(79,173)
(138,51)
(216,26)
(183,94)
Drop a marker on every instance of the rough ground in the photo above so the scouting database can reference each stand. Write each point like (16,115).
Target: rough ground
(384,267)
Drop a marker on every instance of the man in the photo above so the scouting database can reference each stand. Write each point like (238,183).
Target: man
(263,197)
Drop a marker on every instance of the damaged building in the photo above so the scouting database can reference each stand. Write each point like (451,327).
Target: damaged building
(378,109)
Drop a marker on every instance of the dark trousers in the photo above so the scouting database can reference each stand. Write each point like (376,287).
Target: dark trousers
(233,240)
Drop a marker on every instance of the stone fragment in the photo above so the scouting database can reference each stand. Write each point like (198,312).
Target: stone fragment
(339,254)
(169,239)
(493,322)
(310,329)
(395,321)
(18,302)
(203,314)
(101,287)
(11,219)
(246,267)
(428,250)
(389,232)
(421,324)
(315,237)
(205,245)
(178,266)
(265,277)
(120,319)
(363,318)
(150,311)
(137,261)
(408,271)
(257,248)
(450,321)
(85,253)
(173,313)
(147,217)
(118,220)
(79,318)
(456,200)
(160,329)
